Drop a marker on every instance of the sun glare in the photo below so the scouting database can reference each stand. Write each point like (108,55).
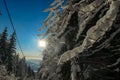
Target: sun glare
(42,43)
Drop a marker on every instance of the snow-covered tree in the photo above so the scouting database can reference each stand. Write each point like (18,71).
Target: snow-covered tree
(3,45)
(83,40)
(11,52)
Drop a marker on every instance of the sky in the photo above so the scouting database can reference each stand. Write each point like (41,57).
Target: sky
(28,17)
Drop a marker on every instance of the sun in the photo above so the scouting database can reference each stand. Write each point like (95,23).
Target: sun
(42,43)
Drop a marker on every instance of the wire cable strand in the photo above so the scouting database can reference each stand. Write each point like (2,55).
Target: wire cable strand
(13,27)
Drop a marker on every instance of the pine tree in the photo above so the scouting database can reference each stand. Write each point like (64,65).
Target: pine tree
(30,72)
(22,69)
(11,53)
(17,71)
(3,45)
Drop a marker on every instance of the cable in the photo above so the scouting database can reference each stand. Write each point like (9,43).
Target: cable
(0,7)
(13,27)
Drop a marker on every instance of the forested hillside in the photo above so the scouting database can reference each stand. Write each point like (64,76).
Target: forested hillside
(11,66)
(83,41)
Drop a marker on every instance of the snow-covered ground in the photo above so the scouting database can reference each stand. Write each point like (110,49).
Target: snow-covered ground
(4,74)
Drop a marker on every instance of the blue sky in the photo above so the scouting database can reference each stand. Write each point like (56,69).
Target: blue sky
(27,16)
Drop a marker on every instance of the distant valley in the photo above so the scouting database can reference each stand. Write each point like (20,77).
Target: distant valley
(34,63)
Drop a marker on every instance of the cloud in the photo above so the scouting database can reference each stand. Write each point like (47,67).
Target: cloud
(32,57)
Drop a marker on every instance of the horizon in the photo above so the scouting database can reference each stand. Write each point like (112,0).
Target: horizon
(31,57)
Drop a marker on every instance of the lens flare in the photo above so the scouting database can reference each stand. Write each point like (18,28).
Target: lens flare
(42,43)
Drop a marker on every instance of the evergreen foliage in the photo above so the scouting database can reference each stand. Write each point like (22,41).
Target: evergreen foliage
(9,58)
(30,72)
(3,45)
(11,52)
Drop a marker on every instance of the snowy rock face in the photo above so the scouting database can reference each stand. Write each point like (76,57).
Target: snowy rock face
(90,30)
